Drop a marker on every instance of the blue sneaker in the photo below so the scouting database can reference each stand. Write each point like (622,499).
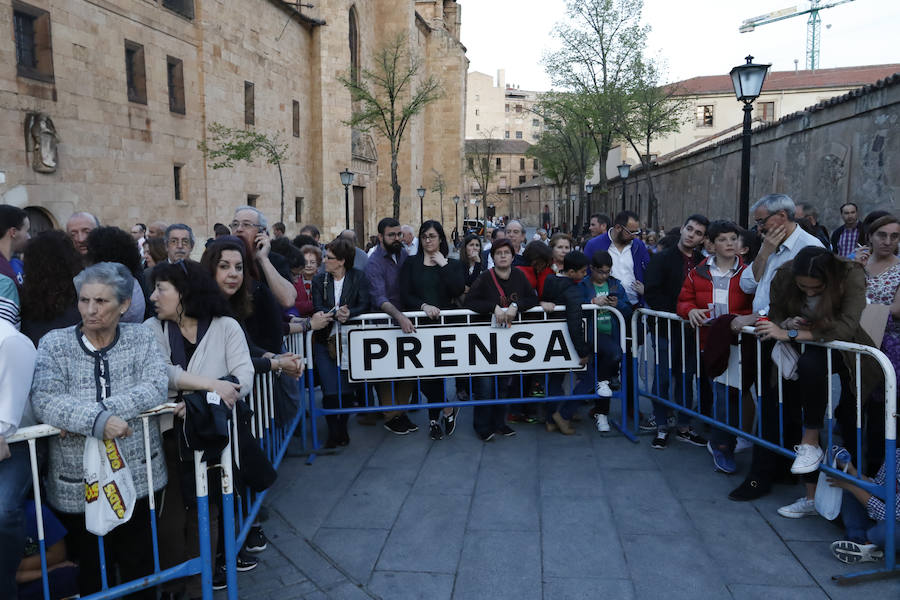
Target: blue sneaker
(722,459)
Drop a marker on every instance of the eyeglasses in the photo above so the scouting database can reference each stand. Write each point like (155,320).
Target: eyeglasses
(235,225)
(636,232)
(430,237)
(761,222)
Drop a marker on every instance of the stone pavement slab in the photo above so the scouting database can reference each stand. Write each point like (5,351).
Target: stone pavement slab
(538,515)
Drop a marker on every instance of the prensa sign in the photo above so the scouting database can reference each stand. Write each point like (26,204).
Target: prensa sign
(387,353)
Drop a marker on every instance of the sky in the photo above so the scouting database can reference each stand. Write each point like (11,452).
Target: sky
(692,37)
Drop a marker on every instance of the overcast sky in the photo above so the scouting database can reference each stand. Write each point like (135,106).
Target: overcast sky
(694,37)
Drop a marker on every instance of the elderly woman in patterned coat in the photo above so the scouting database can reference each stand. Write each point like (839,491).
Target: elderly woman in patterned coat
(95,379)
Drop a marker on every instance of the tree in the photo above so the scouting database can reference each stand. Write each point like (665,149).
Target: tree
(480,161)
(388,95)
(599,44)
(439,185)
(225,146)
(651,110)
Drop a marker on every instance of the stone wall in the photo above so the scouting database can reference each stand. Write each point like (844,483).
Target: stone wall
(846,149)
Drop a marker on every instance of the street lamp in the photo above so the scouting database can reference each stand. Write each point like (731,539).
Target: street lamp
(588,188)
(346,180)
(456,210)
(421,192)
(572,198)
(748,81)
(624,170)
(476,201)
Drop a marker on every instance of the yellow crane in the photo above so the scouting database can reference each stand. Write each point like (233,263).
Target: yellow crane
(813,25)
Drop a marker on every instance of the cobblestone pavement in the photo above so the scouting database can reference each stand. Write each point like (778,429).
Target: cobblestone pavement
(538,515)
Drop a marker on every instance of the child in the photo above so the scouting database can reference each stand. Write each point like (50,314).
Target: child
(603,289)
(712,290)
(562,288)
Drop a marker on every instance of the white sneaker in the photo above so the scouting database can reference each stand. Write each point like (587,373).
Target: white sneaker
(803,507)
(851,552)
(808,459)
(602,422)
(743,445)
(603,389)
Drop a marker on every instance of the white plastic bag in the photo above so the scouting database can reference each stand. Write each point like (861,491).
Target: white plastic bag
(828,499)
(109,493)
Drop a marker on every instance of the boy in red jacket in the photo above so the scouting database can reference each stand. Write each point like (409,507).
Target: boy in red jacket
(712,290)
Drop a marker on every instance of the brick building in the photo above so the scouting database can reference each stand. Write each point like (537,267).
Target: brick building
(131,88)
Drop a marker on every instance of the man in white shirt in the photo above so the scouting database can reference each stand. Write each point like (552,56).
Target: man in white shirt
(17,356)
(782,240)
(410,241)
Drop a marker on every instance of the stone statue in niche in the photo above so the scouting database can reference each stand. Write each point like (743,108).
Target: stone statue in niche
(40,142)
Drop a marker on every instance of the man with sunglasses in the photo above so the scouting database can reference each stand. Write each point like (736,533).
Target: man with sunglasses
(629,254)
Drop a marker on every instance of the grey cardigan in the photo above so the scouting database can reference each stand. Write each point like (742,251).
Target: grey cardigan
(65,393)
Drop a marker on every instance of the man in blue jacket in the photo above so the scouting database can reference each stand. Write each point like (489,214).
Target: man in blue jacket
(629,254)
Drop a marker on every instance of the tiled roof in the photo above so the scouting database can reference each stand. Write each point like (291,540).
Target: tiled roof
(503,146)
(792,80)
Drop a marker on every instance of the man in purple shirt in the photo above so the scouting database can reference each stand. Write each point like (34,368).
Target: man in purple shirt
(383,273)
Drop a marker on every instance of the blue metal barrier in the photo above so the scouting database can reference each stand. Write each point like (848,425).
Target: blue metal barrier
(650,363)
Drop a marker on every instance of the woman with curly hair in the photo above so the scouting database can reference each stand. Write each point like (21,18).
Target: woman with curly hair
(111,244)
(48,294)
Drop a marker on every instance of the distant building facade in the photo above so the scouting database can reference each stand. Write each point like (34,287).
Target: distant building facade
(501,111)
(131,87)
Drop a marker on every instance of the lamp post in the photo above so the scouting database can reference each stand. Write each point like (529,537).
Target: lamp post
(588,188)
(456,211)
(624,170)
(476,202)
(748,81)
(346,180)
(421,192)
(572,199)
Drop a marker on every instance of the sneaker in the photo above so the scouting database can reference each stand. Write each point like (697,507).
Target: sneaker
(743,445)
(691,437)
(723,459)
(506,431)
(603,390)
(532,419)
(649,424)
(435,431)
(219,579)
(450,422)
(661,440)
(615,384)
(256,540)
(396,425)
(602,422)
(486,437)
(852,553)
(803,507)
(808,459)
(564,426)
(246,562)
(537,390)
(410,426)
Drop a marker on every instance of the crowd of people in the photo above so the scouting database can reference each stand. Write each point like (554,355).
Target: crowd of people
(98,324)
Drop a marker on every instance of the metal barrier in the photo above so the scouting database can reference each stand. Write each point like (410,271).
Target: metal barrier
(240,507)
(194,566)
(460,345)
(675,368)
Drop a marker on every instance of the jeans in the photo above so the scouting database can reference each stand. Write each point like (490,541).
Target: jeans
(683,387)
(859,526)
(15,481)
(725,408)
(487,419)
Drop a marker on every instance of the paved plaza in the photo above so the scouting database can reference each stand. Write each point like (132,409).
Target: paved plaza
(535,516)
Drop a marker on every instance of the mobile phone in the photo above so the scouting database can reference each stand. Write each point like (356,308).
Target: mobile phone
(332,311)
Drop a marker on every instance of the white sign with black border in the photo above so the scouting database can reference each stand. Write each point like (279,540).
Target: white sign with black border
(386,353)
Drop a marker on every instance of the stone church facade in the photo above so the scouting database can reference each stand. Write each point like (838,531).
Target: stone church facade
(104,103)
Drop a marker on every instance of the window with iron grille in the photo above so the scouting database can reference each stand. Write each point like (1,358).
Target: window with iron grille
(31,30)
(518,135)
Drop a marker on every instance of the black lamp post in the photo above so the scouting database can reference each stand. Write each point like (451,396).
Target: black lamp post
(421,192)
(588,188)
(624,170)
(748,81)
(476,202)
(572,199)
(456,211)
(346,180)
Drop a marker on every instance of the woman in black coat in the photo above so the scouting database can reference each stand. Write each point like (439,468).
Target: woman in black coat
(351,300)
(430,282)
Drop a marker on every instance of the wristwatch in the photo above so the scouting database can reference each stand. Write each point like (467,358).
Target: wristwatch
(792,335)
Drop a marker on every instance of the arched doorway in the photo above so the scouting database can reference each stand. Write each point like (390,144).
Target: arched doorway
(39,219)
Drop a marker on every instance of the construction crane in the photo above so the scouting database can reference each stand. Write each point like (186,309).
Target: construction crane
(813,26)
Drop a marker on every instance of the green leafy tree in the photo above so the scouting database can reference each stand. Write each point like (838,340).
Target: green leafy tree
(388,95)
(651,110)
(225,146)
(599,43)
